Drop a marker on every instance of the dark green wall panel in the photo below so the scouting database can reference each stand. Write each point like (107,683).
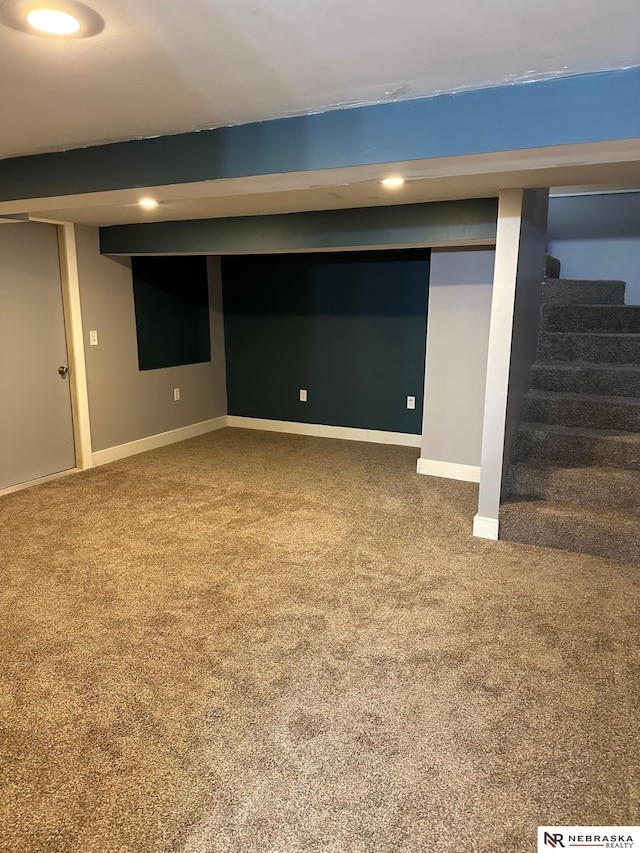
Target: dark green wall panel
(431,223)
(350,328)
(172,311)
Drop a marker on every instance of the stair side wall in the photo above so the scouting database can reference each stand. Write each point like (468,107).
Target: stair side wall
(526,317)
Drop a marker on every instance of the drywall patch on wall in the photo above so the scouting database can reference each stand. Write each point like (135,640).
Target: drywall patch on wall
(349,329)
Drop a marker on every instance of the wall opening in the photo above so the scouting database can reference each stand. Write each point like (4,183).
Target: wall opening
(349,328)
(171,301)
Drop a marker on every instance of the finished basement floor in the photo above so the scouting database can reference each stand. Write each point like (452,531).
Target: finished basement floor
(261,643)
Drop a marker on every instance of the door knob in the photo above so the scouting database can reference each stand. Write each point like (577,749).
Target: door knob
(62,370)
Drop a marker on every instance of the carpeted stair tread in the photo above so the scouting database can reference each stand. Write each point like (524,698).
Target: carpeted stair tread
(584,377)
(566,291)
(591,318)
(594,411)
(569,527)
(575,478)
(587,486)
(576,445)
(594,347)
(605,398)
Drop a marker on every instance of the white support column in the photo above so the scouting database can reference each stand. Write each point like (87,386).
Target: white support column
(75,344)
(520,248)
(485,524)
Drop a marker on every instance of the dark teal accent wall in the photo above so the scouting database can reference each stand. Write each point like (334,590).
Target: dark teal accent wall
(431,223)
(348,327)
(171,299)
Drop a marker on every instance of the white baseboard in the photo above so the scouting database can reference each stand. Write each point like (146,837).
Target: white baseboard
(112,454)
(485,528)
(450,470)
(8,490)
(376,436)
(121,451)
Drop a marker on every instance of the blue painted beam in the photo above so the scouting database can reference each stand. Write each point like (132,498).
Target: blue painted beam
(450,222)
(562,111)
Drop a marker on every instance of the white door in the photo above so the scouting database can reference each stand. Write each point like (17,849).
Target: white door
(36,425)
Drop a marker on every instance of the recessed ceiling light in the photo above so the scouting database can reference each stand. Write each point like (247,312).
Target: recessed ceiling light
(392,183)
(148,203)
(57,18)
(53,21)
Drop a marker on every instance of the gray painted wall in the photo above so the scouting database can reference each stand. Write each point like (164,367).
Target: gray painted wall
(598,236)
(526,313)
(460,287)
(125,403)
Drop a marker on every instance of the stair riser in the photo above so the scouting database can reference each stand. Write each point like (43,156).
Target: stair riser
(551,267)
(591,318)
(600,350)
(576,536)
(575,487)
(577,450)
(563,292)
(588,413)
(586,380)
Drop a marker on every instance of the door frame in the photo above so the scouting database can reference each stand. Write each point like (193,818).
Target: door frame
(70,279)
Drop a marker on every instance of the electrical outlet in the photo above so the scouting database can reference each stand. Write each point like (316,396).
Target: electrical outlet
(411,402)
(93,339)
(303,395)
(176,394)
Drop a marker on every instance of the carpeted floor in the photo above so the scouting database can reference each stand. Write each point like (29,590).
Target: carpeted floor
(259,643)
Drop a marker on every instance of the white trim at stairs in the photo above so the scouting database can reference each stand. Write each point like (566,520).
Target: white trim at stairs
(485,528)
(121,451)
(449,470)
(375,436)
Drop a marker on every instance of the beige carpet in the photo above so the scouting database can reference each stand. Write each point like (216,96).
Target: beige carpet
(256,643)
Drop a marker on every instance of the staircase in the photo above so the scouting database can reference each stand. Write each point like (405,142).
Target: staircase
(575,480)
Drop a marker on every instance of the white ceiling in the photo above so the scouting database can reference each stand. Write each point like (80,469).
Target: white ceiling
(165,66)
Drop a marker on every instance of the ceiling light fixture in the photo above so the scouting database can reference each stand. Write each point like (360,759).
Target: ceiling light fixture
(148,203)
(392,183)
(53,18)
(53,22)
